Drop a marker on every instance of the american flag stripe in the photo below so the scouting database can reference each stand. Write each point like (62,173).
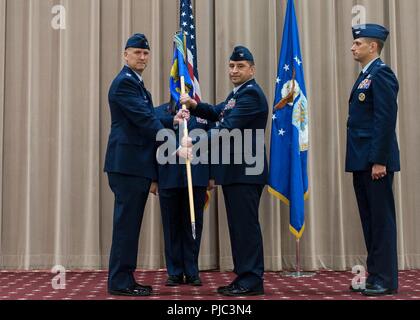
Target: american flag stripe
(187,25)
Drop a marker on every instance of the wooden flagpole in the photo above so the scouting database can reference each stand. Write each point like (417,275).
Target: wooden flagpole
(188,161)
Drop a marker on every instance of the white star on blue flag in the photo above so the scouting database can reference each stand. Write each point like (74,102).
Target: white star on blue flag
(187,26)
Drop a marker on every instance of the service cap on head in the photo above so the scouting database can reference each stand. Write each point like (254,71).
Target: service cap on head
(138,41)
(370,30)
(240,53)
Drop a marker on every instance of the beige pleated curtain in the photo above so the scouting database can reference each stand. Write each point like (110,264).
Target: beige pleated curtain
(55,203)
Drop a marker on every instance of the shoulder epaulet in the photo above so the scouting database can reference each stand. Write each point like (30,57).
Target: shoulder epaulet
(378,67)
(382,65)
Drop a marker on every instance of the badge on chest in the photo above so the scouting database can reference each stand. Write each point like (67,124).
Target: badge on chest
(231,104)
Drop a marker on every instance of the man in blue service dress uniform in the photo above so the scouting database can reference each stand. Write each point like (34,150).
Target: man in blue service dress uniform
(245,108)
(181,250)
(373,157)
(131,164)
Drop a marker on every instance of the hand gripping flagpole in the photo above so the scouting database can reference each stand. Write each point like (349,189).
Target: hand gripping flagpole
(188,161)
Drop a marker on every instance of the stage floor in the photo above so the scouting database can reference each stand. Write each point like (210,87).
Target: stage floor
(325,285)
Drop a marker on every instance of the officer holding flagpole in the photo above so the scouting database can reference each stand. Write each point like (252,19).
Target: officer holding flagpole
(245,109)
(131,163)
(181,249)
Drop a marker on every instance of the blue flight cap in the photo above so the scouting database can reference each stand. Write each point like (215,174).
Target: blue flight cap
(241,53)
(370,30)
(139,41)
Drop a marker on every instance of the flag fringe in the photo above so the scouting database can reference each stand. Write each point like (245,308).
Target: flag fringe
(279,196)
(284,199)
(297,234)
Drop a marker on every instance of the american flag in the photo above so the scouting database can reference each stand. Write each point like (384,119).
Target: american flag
(187,25)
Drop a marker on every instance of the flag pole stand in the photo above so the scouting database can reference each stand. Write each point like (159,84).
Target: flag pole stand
(298,273)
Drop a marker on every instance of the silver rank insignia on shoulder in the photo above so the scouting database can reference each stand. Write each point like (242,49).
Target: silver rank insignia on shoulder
(362,97)
(128,75)
(250,86)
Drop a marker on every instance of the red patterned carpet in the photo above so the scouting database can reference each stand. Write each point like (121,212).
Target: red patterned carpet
(325,285)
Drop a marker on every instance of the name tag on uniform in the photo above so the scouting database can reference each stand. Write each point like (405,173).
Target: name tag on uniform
(365,84)
(202,121)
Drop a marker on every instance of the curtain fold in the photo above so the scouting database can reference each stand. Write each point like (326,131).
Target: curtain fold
(2,87)
(55,203)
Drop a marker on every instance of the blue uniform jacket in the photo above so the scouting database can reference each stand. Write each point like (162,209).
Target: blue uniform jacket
(246,109)
(371,137)
(172,176)
(132,141)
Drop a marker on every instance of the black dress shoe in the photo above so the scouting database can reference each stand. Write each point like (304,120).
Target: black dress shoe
(368,286)
(224,288)
(377,290)
(133,291)
(174,281)
(238,291)
(139,286)
(193,281)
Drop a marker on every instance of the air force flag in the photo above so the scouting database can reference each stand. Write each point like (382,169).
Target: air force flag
(180,69)
(290,135)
